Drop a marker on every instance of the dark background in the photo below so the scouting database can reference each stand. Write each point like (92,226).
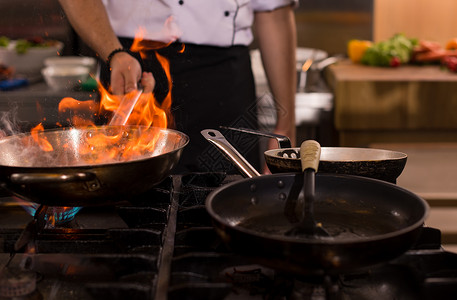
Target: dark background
(323,24)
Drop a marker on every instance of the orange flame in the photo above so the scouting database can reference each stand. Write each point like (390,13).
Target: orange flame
(147,112)
(41,141)
(79,112)
(141,45)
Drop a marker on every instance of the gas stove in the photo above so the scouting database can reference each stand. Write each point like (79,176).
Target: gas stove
(162,246)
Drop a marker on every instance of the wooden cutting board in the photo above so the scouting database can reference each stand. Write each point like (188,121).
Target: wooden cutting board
(348,71)
(409,103)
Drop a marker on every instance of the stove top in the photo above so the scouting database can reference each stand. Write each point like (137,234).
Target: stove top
(163,246)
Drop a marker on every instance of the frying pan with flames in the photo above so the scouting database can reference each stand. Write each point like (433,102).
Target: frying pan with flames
(79,172)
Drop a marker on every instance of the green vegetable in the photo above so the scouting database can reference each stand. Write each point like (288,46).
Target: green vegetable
(22,46)
(383,53)
(4,41)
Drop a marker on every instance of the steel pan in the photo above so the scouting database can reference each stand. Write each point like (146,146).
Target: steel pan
(67,177)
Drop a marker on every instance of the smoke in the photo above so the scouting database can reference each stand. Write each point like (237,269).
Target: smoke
(9,122)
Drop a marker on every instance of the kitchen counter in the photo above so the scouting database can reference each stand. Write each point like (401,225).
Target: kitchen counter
(431,173)
(37,103)
(405,104)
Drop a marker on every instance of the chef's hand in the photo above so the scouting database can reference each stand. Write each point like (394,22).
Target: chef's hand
(125,74)
(148,82)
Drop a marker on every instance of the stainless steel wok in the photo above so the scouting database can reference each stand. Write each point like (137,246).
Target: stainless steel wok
(77,173)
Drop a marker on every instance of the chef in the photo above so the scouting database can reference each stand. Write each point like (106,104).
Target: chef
(206,43)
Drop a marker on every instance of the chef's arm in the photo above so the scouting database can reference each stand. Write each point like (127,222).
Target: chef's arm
(90,21)
(277,40)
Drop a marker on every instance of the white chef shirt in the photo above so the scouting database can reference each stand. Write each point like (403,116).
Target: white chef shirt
(204,22)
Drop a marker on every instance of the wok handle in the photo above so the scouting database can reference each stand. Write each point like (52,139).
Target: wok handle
(217,139)
(34,178)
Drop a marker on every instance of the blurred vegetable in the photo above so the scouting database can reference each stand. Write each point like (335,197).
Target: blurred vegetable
(394,62)
(450,62)
(430,52)
(356,49)
(23,45)
(4,41)
(390,53)
(5,72)
(451,44)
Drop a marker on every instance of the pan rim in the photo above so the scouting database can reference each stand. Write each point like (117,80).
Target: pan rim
(328,242)
(185,137)
(399,155)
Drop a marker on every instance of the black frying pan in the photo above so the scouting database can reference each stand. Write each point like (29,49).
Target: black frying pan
(369,221)
(368,162)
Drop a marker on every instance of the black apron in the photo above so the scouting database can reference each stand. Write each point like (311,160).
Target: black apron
(212,87)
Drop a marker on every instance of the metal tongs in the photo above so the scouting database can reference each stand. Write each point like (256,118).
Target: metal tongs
(283,141)
(310,152)
(123,112)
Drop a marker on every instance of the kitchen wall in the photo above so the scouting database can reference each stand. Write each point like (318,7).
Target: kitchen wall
(329,24)
(324,24)
(432,20)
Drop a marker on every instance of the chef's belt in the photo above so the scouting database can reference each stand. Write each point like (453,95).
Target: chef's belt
(212,87)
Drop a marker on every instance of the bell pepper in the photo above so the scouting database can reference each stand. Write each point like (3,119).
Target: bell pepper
(356,49)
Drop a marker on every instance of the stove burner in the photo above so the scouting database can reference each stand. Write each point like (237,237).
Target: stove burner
(55,215)
(16,282)
(60,215)
(162,245)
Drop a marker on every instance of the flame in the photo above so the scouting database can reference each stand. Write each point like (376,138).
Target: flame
(104,147)
(142,46)
(30,249)
(41,141)
(79,112)
(51,221)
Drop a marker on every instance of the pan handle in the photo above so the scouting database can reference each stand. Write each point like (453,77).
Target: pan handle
(217,139)
(34,178)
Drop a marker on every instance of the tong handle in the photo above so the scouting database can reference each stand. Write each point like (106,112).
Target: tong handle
(125,109)
(310,153)
(283,141)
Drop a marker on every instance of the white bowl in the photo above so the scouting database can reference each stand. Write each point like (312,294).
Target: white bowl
(65,77)
(72,61)
(309,106)
(322,101)
(31,62)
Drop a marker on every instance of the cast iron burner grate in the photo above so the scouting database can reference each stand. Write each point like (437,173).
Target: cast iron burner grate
(110,252)
(163,246)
